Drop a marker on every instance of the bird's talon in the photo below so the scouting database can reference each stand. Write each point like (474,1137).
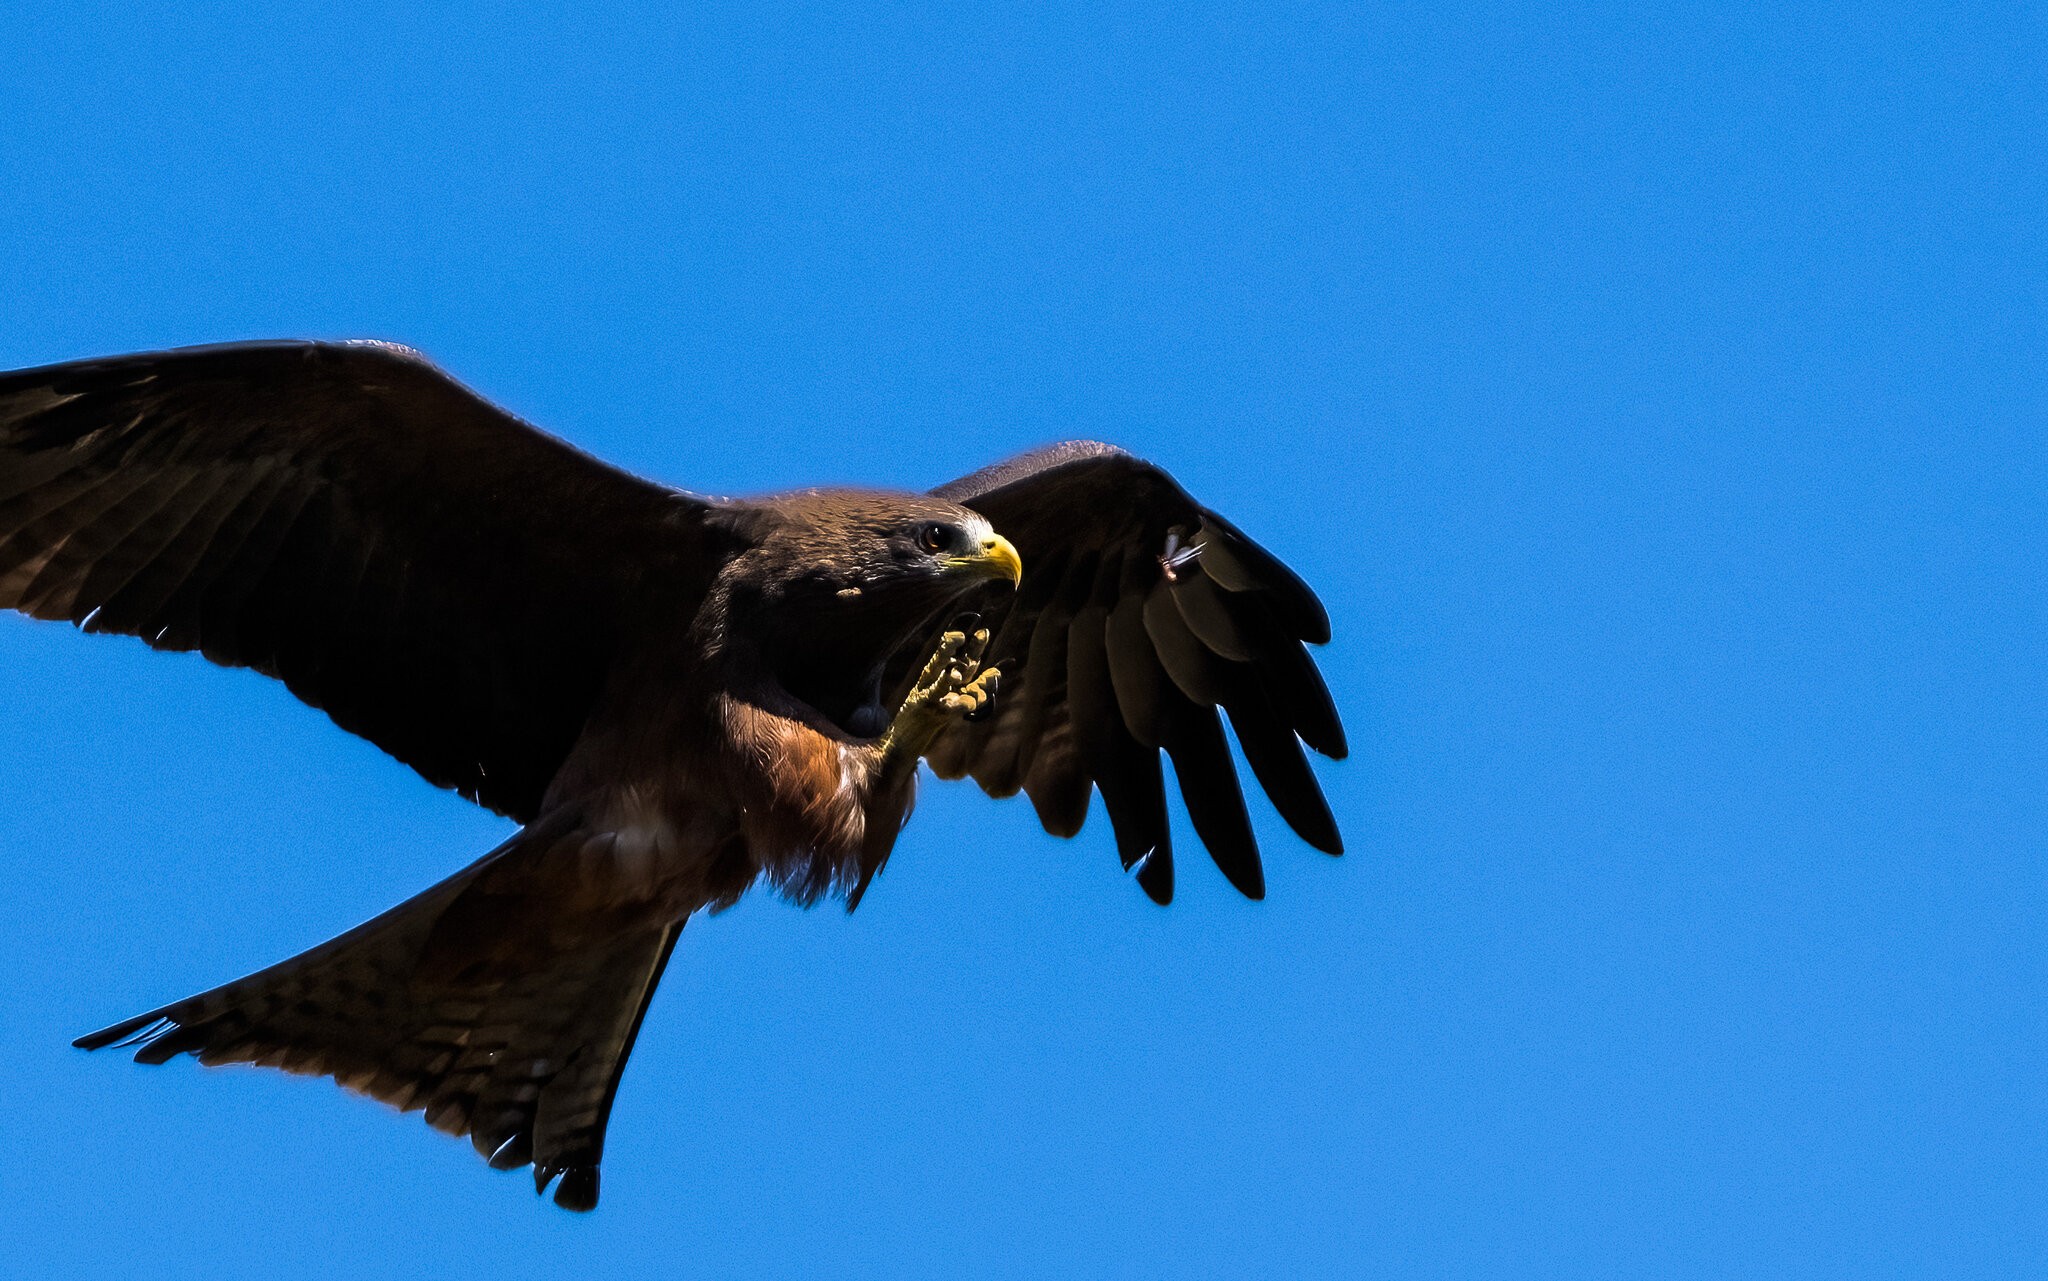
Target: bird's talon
(953,683)
(984,696)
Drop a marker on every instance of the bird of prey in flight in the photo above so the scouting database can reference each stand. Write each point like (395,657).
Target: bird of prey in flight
(675,696)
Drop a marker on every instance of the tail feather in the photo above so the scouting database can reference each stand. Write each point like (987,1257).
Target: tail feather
(524,1058)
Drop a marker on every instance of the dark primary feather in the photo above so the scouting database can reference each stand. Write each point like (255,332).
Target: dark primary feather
(458,587)
(440,577)
(1142,613)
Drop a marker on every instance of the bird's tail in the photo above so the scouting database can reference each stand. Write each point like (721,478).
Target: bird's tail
(451,1002)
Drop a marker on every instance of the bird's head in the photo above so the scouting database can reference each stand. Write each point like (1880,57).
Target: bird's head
(837,583)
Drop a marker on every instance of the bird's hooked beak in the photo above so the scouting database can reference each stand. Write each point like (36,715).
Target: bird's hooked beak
(996,559)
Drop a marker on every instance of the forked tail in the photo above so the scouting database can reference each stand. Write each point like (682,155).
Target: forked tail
(521,1051)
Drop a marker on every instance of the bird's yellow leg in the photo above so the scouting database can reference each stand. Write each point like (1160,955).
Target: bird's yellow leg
(953,684)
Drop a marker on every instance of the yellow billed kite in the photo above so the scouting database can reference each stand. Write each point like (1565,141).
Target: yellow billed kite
(675,696)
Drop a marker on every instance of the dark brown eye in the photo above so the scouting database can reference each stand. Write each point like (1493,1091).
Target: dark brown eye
(934,538)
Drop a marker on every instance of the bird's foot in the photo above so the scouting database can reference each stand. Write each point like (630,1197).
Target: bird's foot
(953,685)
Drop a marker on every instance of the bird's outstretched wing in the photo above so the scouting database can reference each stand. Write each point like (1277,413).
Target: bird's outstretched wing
(438,576)
(1141,613)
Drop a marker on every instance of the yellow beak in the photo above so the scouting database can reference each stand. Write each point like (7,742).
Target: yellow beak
(998,559)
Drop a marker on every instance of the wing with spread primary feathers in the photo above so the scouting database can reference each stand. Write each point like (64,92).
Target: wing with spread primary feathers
(441,578)
(1141,614)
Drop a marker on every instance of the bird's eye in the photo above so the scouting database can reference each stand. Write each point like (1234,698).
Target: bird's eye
(934,538)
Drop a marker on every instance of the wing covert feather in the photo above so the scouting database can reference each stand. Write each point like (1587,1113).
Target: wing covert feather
(438,576)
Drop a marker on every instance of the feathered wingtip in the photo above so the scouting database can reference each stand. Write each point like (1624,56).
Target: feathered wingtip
(142,1031)
(577,1190)
(160,1035)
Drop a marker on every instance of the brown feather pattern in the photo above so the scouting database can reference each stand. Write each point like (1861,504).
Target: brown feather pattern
(678,697)
(311,510)
(1125,661)
(524,1056)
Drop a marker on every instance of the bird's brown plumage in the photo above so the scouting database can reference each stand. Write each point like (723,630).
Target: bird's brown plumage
(676,696)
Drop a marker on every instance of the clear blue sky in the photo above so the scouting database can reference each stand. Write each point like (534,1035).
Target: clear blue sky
(1657,401)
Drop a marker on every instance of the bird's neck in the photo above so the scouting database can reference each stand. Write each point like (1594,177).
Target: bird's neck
(836,657)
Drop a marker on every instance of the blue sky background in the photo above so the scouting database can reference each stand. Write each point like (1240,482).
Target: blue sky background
(1657,400)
